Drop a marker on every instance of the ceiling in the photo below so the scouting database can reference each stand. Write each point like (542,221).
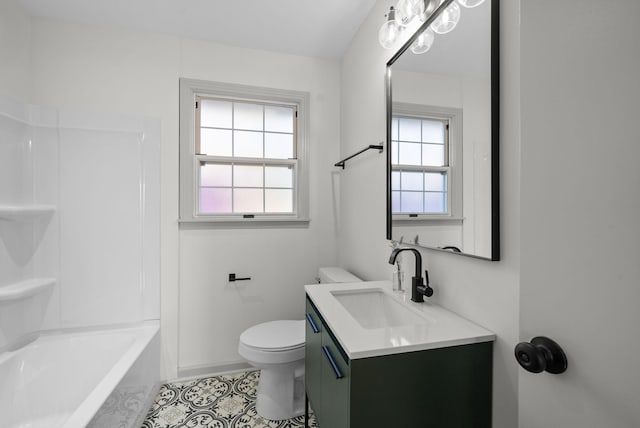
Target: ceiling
(321,29)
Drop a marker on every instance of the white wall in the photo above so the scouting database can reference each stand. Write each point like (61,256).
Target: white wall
(111,70)
(15,26)
(485,292)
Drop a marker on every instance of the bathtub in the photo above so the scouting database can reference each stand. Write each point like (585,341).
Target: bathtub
(98,378)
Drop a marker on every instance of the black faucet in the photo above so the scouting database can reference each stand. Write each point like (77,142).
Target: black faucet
(418,287)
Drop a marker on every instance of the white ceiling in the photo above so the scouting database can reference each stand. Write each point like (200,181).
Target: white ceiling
(321,29)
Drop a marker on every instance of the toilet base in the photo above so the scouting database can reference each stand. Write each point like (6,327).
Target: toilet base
(280,392)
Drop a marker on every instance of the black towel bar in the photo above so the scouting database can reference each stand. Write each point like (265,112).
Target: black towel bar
(378,147)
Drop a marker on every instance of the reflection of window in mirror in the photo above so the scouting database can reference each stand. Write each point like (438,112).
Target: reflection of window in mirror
(426,163)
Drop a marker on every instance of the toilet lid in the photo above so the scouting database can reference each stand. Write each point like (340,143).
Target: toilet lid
(275,335)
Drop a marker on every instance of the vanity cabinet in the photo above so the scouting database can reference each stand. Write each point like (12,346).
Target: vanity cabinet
(327,372)
(448,387)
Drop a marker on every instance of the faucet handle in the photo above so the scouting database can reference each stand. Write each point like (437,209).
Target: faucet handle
(428,291)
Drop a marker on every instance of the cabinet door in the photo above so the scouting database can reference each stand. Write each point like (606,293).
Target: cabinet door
(313,355)
(335,385)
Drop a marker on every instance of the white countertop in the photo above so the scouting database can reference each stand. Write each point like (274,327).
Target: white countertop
(442,328)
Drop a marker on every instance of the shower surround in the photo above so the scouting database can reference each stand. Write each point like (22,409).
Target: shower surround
(79,246)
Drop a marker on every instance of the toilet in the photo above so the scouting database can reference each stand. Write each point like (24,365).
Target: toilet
(277,349)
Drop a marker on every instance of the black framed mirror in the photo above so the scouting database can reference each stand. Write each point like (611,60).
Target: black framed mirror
(442,133)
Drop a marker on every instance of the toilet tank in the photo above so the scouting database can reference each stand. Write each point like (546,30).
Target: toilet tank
(336,274)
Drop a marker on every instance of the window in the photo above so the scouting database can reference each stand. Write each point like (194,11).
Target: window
(243,153)
(426,167)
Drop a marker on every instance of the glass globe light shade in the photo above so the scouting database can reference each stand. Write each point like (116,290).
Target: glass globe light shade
(470,3)
(389,31)
(423,42)
(407,10)
(447,20)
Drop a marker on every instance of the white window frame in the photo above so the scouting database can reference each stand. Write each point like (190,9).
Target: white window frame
(190,89)
(454,178)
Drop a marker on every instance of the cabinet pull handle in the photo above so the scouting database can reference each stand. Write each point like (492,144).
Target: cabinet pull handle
(314,327)
(336,370)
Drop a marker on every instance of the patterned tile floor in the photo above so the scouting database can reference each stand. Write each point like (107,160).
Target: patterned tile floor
(225,401)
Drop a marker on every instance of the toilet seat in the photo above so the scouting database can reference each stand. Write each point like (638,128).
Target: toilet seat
(275,336)
(273,342)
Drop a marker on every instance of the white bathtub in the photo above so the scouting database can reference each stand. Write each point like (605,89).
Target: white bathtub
(100,378)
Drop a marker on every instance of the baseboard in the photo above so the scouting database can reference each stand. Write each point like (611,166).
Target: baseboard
(199,371)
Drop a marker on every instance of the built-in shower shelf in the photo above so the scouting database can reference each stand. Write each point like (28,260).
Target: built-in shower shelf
(24,289)
(25,212)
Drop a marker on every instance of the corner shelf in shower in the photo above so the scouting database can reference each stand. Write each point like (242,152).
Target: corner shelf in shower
(25,212)
(24,289)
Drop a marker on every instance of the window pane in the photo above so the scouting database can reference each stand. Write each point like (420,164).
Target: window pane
(278,119)
(394,129)
(215,201)
(278,200)
(432,155)
(433,131)
(395,202)
(435,202)
(246,141)
(395,179)
(278,146)
(409,154)
(247,144)
(215,142)
(278,176)
(247,176)
(215,175)
(435,181)
(215,114)
(247,200)
(411,202)
(394,152)
(410,130)
(247,116)
(412,181)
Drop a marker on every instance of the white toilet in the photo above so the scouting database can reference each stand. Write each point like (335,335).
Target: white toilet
(277,349)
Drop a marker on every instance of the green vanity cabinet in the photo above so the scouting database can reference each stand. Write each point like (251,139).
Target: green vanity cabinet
(326,373)
(446,387)
(313,354)
(335,383)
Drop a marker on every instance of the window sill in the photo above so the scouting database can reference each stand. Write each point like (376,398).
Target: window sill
(244,223)
(433,220)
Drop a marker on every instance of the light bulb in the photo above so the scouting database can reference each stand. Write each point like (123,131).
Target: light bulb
(447,20)
(470,3)
(407,10)
(423,42)
(389,31)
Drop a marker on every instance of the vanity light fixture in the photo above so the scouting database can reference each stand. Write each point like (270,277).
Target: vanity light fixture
(406,11)
(447,20)
(390,30)
(423,42)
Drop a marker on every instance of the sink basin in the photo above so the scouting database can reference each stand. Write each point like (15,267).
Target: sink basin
(372,308)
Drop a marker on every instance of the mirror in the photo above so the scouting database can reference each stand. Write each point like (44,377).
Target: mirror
(442,136)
